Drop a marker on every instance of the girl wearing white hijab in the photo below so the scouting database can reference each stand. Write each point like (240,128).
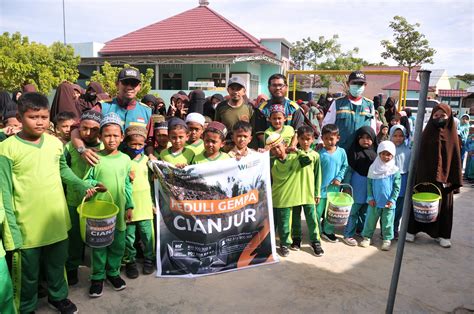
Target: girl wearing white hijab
(383,187)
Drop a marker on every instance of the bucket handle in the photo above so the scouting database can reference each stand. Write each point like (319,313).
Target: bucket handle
(84,199)
(347,185)
(426,184)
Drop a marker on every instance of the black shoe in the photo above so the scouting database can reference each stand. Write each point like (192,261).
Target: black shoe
(284,251)
(72,278)
(117,282)
(64,306)
(329,237)
(296,245)
(96,288)
(318,250)
(148,267)
(131,270)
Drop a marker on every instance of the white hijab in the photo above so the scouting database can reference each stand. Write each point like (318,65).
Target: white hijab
(380,169)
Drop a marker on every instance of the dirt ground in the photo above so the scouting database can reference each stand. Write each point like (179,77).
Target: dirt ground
(345,279)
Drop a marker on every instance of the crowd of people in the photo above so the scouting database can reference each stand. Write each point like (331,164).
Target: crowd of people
(90,145)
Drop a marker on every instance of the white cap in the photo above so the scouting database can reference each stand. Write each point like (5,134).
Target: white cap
(195,117)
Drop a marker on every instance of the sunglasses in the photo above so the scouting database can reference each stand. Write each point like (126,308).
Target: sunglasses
(130,82)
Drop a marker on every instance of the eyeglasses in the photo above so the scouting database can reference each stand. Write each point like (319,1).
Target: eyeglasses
(277,85)
(130,82)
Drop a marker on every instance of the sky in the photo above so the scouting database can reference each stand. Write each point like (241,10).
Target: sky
(447,24)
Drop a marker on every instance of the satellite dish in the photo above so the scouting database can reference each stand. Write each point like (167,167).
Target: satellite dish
(203,3)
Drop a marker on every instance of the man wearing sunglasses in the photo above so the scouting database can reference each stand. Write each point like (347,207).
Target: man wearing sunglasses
(125,105)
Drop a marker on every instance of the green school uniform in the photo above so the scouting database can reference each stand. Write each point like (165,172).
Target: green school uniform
(287,132)
(201,158)
(197,148)
(183,157)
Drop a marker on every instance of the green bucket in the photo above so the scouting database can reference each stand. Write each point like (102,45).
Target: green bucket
(426,204)
(339,206)
(97,222)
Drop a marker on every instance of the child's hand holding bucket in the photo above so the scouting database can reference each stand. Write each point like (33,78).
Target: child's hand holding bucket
(129,215)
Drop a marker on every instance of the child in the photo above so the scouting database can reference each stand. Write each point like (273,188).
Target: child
(333,168)
(395,120)
(33,168)
(64,121)
(402,160)
(11,125)
(135,137)
(277,120)
(114,171)
(160,132)
(463,131)
(6,288)
(383,187)
(241,136)
(195,122)
(214,137)
(177,154)
(383,134)
(469,173)
(286,191)
(360,155)
(89,133)
(310,178)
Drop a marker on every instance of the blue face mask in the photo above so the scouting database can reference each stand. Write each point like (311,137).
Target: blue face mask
(132,153)
(356,90)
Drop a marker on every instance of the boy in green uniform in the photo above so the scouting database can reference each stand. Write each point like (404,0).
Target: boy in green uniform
(214,137)
(114,171)
(135,137)
(310,178)
(6,288)
(277,120)
(195,122)
(89,133)
(241,136)
(177,154)
(160,132)
(64,121)
(11,125)
(36,169)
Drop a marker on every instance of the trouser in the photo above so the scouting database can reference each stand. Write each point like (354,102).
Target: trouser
(284,225)
(321,213)
(356,219)
(26,271)
(76,245)
(106,261)
(6,289)
(145,229)
(386,216)
(311,221)
(398,214)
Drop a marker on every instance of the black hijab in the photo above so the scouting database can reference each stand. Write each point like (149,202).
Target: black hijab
(6,104)
(406,123)
(390,109)
(361,158)
(196,101)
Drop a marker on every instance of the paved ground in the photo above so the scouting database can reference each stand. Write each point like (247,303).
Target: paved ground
(346,279)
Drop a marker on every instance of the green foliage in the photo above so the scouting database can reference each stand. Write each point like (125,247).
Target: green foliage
(107,77)
(467,77)
(307,52)
(23,62)
(409,48)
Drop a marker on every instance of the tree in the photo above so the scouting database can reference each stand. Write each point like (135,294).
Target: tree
(410,48)
(24,62)
(108,79)
(467,77)
(300,53)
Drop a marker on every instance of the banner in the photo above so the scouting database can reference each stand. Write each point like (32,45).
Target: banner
(214,217)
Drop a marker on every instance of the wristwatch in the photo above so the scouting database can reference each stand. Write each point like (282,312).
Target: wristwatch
(81,150)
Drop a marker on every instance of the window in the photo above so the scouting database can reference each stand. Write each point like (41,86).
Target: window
(285,51)
(219,79)
(171,81)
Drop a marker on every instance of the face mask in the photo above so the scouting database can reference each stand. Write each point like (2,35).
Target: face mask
(90,97)
(439,123)
(356,90)
(132,153)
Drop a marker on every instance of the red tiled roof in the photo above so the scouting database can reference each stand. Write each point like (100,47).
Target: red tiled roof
(412,85)
(197,30)
(452,93)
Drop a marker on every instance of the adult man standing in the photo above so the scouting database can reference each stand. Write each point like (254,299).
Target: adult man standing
(351,112)
(228,112)
(278,87)
(125,105)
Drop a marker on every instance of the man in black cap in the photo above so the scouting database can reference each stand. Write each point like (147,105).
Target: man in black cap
(351,112)
(125,105)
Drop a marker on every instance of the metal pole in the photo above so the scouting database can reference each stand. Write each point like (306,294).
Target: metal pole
(64,23)
(407,203)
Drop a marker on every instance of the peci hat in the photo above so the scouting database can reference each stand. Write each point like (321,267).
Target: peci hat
(163,125)
(111,118)
(217,126)
(273,140)
(176,121)
(277,108)
(357,77)
(91,115)
(135,130)
(237,80)
(129,73)
(195,117)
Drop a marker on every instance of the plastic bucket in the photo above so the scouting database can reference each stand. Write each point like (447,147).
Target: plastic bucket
(426,204)
(339,206)
(97,222)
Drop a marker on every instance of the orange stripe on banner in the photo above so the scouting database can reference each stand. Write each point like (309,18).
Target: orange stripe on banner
(248,253)
(214,207)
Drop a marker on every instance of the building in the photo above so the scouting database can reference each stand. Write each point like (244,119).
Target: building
(198,47)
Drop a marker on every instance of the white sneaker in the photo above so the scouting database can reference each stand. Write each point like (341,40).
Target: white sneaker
(365,242)
(410,237)
(386,245)
(446,243)
(350,241)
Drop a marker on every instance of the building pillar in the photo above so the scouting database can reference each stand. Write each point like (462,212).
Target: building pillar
(227,73)
(157,76)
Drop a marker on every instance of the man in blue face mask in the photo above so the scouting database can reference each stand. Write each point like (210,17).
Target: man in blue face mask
(351,112)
